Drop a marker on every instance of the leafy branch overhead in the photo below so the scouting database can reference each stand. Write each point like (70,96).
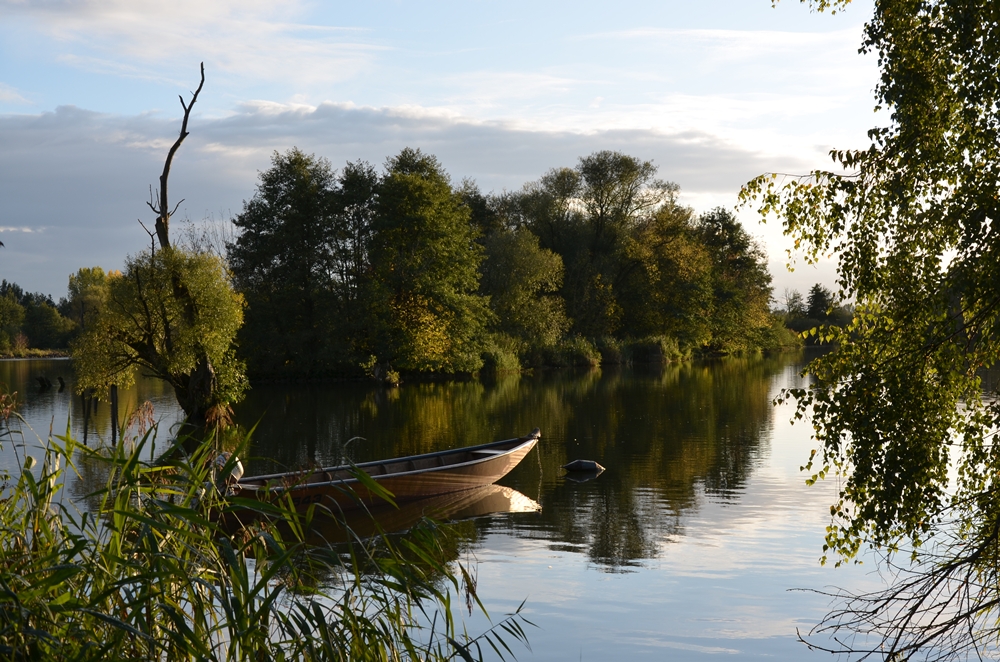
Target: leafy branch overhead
(899,408)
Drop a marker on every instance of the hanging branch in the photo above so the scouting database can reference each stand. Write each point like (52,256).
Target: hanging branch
(161,206)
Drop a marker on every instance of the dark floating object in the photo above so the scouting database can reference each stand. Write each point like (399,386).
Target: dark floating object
(44,383)
(62,384)
(583,465)
(583,476)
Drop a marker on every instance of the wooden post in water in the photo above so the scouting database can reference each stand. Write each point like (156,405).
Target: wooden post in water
(114,414)
(86,413)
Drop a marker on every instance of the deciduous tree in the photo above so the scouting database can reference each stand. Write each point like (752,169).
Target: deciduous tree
(426,313)
(899,408)
(174,313)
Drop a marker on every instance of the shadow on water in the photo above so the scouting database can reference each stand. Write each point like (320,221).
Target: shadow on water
(669,437)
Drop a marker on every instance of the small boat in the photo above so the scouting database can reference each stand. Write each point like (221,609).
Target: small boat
(406,478)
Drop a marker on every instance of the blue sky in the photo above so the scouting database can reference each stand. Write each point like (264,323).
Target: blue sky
(714,92)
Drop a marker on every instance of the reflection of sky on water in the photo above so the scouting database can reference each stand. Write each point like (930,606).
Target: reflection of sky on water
(685,548)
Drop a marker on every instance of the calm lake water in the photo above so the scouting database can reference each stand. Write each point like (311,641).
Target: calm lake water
(689,547)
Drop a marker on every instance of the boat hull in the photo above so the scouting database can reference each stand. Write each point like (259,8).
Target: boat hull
(407,478)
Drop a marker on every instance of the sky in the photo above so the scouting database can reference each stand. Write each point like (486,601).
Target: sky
(714,92)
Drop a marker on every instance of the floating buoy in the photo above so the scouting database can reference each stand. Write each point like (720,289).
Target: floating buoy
(583,465)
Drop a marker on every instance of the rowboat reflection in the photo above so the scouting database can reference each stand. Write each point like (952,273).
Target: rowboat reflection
(454,506)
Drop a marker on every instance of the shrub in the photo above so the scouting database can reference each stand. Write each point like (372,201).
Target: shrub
(501,355)
(613,351)
(655,349)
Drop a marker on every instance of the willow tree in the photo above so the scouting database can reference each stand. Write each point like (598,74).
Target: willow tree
(900,408)
(172,313)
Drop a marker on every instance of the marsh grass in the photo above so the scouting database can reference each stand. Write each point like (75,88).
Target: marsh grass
(150,574)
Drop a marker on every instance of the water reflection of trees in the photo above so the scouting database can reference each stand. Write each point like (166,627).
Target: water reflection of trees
(668,436)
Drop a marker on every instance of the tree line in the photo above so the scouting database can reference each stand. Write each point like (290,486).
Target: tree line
(400,270)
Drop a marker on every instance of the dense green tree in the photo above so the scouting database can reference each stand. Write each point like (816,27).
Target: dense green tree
(45,327)
(522,282)
(283,261)
(86,294)
(819,302)
(666,288)
(899,408)
(31,318)
(185,341)
(589,215)
(741,283)
(425,312)
(11,320)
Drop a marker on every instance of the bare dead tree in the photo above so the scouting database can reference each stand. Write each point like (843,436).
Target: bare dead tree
(161,204)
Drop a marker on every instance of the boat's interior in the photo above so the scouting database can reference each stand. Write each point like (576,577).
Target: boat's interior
(403,465)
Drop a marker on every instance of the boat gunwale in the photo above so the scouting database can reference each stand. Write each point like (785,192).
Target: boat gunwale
(531,439)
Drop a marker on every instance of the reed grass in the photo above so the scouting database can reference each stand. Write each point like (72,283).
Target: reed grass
(151,574)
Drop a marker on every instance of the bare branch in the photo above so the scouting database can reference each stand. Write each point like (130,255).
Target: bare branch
(163,222)
(152,236)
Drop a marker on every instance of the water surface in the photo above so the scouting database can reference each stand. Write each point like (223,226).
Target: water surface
(688,547)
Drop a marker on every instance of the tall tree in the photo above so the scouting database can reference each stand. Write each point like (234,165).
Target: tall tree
(424,310)
(283,261)
(899,408)
(741,283)
(87,292)
(522,283)
(819,302)
(666,286)
(174,313)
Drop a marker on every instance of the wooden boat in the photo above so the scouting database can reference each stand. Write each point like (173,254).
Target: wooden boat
(407,478)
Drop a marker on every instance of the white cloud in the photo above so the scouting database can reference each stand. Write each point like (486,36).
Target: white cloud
(86,175)
(250,39)
(9,94)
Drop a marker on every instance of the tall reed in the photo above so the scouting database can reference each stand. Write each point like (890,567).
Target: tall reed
(147,572)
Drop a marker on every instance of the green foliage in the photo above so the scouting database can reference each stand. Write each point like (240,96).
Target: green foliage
(154,572)
(337,268)
(425,314)
(284,261)
(186,340)
(573,351)
(502,354)
(87,293)
(654,349)
(778,337)
(45,327)
(899,402)
(11,320)
(741,284)
(522,281)
(30,321)
(666,287)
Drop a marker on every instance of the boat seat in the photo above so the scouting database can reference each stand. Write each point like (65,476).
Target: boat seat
(487,451)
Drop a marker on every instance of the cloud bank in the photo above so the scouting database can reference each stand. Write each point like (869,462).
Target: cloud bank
(73,182)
